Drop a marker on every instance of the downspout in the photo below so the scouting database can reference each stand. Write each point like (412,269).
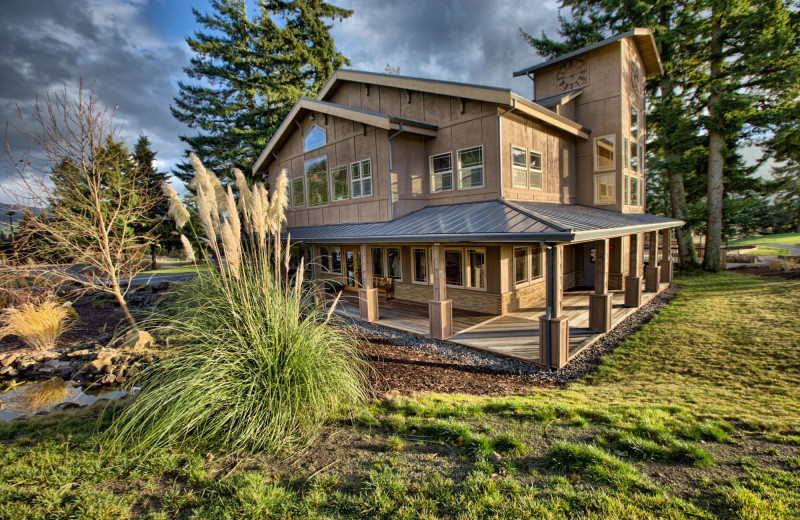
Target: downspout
(549,311)
(500,134)
(391,170)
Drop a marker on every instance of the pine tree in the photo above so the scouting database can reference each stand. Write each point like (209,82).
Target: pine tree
(248,72)
(150,180)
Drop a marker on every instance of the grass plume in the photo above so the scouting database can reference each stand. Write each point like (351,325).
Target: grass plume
(39,325)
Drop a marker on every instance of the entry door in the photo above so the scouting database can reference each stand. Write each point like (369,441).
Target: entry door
(352,276)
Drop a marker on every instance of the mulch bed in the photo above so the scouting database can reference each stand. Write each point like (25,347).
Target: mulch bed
(399,369)
(765,271)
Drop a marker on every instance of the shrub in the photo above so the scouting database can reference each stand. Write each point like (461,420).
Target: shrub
(38,325)
(256,365)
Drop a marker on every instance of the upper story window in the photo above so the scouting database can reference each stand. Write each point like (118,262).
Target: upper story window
(441,172)
(339,184)
(604,189)
(634,155)
(519,167)
(470,168)
(317,181)
(604,153)
(634,122)
(314,138)
(298,192)
(535,174)
(361,178)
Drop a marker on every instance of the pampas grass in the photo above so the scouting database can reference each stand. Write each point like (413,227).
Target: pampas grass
(255,365)
(188,251)
(38,325)
(177,211)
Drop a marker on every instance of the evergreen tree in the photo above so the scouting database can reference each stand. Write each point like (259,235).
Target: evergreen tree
(150,180)
(248,72)
(787,180)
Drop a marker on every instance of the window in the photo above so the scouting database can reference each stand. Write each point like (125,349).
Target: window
(339,183)
(470,168)
(635,192)
(336,260)
(454,267)
(361,175)
(625,157)
(317,181)
(626,186)
(314,139)
(324,259)
(420,266)
(441,172)
(519,167)
(520,265)
(394,266)
(476,268)
(634,156)
(604,153)
(535,170)
(641,159)
(298,192)
(537,263)
(604,189)
(634,123)
(377,261)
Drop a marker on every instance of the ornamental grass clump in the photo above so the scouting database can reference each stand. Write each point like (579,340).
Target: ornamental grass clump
(255,365)
(38,325)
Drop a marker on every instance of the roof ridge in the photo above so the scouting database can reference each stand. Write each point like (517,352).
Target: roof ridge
(535,215)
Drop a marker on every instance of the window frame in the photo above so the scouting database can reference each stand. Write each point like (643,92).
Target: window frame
(513,167)
(527,279)
(324,138)
(540,254)
(308,184)
(324,259)
(470,168)
(302,190)
(360,179)
(468,271)
(460,251)
(613,166)
(431,173)
(400,256)
(414,265)
(337,249)
(346,169)
(597,177)
(382,262)
(540,170)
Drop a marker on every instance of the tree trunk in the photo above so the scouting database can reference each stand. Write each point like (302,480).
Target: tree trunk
(716,160)
(153,259)
(124,306)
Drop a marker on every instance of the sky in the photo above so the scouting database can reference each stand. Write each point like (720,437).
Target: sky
(133,52)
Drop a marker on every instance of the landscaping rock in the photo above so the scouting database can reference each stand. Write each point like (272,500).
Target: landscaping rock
(9,371)
(78,353)
(8,359)
(137,340)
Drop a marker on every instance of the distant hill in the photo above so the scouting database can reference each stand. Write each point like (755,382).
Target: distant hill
(18,210)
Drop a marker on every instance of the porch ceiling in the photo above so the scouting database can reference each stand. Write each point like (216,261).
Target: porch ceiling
(497,220)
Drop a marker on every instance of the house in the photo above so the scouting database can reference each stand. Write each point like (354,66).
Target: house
(491,219)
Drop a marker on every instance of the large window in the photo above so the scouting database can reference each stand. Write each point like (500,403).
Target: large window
(317,181)
(361,175)
(604,189)
(339,184)
(330,259)
(314,139)
(519,167)
(420,265)
(535,165)
(298,192)
(476,268)
(394,267)
(604,153)
(336,260)
(377,261)
(520,265)
(441,172)
(470,168)
(454,267)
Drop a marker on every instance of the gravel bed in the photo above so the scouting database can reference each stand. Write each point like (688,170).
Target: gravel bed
(584,363)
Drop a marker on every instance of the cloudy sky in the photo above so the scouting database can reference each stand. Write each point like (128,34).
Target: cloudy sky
(134,50)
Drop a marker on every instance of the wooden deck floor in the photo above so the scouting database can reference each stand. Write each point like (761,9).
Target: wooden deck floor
(514,335)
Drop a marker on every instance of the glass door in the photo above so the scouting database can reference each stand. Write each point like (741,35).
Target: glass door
(352,260)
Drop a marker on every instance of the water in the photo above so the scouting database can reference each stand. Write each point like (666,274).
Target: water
(44,396)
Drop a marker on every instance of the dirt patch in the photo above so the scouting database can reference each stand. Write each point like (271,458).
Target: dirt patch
(765,271)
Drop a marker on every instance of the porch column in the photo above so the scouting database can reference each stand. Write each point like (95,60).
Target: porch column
(600,301)
(633,283)
(554,329)
(652,273)
(616,277)
(367,295)
(666,256)
(440,309)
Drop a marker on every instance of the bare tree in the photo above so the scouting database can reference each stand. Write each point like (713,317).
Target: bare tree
(92,204)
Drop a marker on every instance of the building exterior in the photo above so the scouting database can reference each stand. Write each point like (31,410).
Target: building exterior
(476,198)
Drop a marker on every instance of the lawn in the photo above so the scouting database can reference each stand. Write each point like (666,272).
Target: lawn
(768,251)
(780,238)
(695,416)
(177,270)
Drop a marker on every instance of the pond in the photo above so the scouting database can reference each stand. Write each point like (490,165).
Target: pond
(39,397)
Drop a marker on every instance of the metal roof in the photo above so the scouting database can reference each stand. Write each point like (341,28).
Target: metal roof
(643,37)
(559,99)
(497,220)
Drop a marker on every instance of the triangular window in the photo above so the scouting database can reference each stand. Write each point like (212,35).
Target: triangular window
(314,139)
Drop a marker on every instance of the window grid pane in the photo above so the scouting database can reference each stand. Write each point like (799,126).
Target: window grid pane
(377,261)
(604,153)
(317,181)
(420,266)
(393,263)
(476,269)
(470,171)
(298,192)
(536,263)
(453,267)
(339,183)
(520,265)
(441,173)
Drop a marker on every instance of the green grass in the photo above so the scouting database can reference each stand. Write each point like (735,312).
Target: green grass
(780,238)
(694,417)
(768,250)
(178,270)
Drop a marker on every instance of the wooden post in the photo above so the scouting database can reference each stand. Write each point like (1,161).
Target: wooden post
(633,283)
(600,301)
(440,309)
(616,277)
(556,330)
(666,257)
(652,273)
(367,295)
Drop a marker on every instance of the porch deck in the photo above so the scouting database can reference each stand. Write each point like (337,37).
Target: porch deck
(514,335)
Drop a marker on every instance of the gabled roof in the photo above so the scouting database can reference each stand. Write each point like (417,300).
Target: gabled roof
(367,117)
(497,220)
(645,42)
(559,99)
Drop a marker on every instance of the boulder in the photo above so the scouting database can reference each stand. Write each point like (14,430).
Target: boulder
(137,340)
